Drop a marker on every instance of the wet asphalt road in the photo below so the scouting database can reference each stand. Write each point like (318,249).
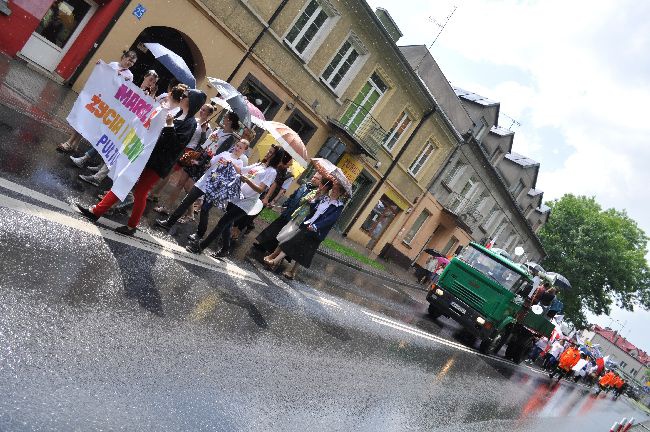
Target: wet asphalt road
(103,332)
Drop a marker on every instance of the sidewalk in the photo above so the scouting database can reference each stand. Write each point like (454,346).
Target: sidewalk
(33,94)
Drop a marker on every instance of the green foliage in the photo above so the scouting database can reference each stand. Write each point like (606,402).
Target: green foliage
(601,252)
(343,250)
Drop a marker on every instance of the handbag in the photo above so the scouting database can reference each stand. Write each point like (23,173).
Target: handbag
(287,232)
(188,157)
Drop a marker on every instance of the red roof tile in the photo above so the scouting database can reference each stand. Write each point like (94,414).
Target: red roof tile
(623,344)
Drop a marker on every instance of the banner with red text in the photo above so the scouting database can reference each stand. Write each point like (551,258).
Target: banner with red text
(121,122)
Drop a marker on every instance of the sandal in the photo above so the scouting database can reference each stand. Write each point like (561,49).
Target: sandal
(64,147)
(161,210)
(271,265)
(289,275)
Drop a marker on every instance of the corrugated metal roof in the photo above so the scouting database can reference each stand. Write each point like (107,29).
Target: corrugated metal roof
(473,97)
(521,160)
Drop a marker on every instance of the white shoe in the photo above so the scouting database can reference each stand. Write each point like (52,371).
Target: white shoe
(79,161)
(95,168)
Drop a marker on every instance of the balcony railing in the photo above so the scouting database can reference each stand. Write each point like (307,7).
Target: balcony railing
(464,208)
(363,127)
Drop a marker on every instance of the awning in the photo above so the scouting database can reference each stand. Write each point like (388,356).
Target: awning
(394,197)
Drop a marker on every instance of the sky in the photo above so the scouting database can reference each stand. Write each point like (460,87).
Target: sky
(573,81)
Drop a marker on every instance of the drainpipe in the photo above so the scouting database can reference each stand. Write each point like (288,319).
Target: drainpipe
(393,164)
(257,39)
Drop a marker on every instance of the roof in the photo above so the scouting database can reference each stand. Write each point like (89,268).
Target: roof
(521,160)
(474,97)
(622,343)
(501,131)
(535,192)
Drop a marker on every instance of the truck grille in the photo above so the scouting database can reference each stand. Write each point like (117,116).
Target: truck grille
(467,295)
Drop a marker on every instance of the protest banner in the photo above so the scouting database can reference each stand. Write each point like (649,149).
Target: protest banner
(120,121)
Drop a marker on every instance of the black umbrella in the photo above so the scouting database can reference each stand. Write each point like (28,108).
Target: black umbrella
(434,253)
(559,281)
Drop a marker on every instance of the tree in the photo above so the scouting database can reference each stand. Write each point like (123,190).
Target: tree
(601,252)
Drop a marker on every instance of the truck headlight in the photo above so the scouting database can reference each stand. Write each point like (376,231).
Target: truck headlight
(439,292)
(480,320)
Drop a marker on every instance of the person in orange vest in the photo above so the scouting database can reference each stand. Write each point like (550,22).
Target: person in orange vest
(605,381)
(567,360)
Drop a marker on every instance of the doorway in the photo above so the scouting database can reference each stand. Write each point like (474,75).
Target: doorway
(57,31)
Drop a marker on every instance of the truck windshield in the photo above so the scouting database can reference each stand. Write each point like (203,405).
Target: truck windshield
(491,268)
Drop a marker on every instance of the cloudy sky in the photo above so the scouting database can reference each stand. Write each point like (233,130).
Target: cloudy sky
(575,75)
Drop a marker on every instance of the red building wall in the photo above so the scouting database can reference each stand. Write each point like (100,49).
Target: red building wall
(84,43)
(19,26)
(27,14)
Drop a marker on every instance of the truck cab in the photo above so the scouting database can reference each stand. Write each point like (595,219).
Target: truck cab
(485,293)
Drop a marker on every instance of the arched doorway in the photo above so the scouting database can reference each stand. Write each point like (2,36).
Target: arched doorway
(174,40)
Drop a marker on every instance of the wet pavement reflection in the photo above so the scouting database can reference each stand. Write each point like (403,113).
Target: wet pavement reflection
(96,333)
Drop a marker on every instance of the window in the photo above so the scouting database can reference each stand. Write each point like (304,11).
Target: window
(332,150)
(461,200)
(340,64)
(518,188)
(491,216)
(496,155)
(301,125)
(399,127)
(623,364)
(450,244)
(308,25)
(481,129)
(422,159)
(453,174)
(416,226)
(364,102)
(488,265)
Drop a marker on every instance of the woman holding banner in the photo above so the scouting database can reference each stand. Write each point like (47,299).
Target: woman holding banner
(149,86)
(168,149)
(127,61)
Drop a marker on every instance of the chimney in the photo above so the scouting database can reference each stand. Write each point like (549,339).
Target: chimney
(389,24)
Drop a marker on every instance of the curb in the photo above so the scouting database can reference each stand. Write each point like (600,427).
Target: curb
(357,267)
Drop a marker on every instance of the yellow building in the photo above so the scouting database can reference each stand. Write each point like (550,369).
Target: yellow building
(332,71)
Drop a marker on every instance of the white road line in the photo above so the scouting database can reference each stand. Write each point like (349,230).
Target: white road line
(421,333)
(92,229)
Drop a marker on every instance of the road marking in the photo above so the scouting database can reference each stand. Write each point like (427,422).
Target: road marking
(172,251)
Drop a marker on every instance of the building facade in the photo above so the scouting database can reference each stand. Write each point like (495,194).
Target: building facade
(632,361)
(485,192)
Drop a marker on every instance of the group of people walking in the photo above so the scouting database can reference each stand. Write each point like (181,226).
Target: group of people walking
(212,168)
(564,359)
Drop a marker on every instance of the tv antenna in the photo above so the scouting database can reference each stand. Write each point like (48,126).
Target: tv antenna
(514,122)
(441,27)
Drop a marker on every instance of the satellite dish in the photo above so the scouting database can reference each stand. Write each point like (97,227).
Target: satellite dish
(519,251)
(537,309)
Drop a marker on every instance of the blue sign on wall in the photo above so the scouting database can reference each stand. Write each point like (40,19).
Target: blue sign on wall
(139,11)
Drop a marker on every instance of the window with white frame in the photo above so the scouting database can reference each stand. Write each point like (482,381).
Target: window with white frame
(345,61)
(422,218)
(312,19)
(399,127)
(422,158)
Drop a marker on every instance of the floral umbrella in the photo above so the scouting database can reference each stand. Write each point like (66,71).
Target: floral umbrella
(329,170)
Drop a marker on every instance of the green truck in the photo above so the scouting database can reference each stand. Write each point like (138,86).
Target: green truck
(486,293)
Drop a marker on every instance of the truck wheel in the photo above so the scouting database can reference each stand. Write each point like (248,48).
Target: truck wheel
(492,345)
(519,348)
(433,312)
